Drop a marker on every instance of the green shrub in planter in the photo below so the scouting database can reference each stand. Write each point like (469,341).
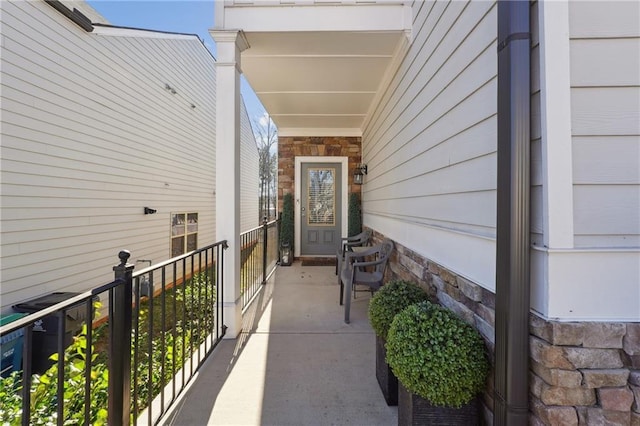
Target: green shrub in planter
(436,355)
(355,215)
(390,300)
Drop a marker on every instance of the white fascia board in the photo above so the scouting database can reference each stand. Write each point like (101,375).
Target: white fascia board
(284,18)
(593,285)
(319,132)
(135,32)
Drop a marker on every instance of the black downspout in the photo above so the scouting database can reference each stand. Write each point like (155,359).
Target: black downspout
(511,392)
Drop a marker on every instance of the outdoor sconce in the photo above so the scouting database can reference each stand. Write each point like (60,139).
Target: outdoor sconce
(361,170)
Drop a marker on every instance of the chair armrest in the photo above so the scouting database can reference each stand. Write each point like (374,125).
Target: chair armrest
(369,263)
(352,243)
(344,247)
(366,252)
(349,256)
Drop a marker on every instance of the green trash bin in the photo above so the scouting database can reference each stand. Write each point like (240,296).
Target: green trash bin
(11,345)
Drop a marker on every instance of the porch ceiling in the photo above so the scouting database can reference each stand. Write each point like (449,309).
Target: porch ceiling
(317,70)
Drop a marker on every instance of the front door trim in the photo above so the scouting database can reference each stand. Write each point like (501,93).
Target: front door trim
(344,161)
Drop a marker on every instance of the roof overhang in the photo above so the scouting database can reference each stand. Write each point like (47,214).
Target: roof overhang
(318,69)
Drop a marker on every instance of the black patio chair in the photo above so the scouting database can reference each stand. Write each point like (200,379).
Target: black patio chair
(358,270)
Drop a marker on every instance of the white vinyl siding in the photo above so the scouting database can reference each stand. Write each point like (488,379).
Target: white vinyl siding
(430,145)
(249,174)
(90,136)
(605,102)
(587,266)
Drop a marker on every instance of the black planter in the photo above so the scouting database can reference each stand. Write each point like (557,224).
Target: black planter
(414,410)
(386,379)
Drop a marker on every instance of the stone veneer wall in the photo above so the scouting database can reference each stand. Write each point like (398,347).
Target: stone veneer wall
(291,147)
(581,373)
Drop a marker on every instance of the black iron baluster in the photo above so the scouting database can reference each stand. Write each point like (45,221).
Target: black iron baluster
(200,308)
(193,313)
(265,240)
(88,362)
(163,313)
(206,298)
(62,314)
(27,371)
(136,353)
(184,322)
(175,329)
(150,307)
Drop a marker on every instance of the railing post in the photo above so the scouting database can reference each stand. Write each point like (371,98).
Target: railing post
(265,241)
(120,343)
(278,223)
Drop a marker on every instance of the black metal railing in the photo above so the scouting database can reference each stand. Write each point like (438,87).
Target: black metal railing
(72,384)
(177,323)
(123,351)
(258,259)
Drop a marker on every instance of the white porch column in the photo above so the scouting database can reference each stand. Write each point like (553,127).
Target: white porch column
(229,45)
(555,120)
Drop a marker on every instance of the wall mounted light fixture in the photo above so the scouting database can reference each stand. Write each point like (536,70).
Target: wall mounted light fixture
(149,210)
(361,170)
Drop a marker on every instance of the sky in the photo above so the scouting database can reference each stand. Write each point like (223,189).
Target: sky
(180,16)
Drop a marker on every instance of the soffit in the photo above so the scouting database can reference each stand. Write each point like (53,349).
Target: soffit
(320,76)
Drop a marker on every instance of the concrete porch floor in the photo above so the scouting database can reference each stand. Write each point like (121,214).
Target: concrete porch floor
(296,362)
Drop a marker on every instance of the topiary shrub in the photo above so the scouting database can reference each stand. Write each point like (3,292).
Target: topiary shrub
(286,225)
(355,215)
(390,300)
(436,355)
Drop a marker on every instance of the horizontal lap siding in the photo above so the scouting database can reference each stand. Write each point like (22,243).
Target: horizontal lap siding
(90,136)
(605,102)
(249,173)
(430,145)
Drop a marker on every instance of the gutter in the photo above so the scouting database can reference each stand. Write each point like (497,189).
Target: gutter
(511,392)
(74,15)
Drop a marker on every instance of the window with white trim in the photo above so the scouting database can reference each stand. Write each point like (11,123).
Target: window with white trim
(184,233)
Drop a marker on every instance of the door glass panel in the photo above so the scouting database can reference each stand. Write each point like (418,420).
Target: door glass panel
(322,199)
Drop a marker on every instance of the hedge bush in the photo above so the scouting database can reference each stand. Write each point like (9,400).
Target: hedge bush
(355,215)
(286,225)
